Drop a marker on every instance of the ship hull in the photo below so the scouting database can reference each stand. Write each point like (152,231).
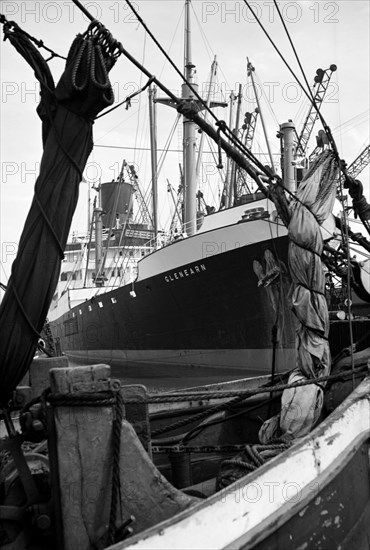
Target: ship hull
(206,305)
(213,313)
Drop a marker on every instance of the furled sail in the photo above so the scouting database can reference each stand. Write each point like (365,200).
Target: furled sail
(310,207)
(67,112)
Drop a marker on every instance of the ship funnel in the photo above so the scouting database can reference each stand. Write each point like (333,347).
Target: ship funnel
(116,202)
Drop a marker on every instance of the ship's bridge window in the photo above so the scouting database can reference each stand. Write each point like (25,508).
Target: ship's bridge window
(63,276)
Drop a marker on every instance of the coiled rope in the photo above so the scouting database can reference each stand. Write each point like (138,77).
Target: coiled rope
(251,458)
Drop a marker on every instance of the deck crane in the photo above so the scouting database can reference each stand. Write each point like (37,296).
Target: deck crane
(248,130)
(134,180)
(359,163)
(321,83)
(177,218)
(249,127)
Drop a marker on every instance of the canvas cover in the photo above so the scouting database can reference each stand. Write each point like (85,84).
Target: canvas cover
(67,112)
(309,209)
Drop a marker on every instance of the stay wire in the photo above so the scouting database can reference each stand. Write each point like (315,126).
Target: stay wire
(296,54)
(313,101)
(118,49)
(308,94)
(225,128)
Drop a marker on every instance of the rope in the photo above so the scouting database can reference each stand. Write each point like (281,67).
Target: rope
(199,416)
(181,396)
(12,25)
(128,99)
(179,449)
(252,457)
(296,56)
(101,399)
(309,93)
(237,142)
(198,429)
(238,397)
(116,480)
(24,312)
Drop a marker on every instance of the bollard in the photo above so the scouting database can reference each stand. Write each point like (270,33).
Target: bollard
(83,446)
(84,455)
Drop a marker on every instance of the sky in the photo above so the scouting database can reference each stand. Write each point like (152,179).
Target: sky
(323,33)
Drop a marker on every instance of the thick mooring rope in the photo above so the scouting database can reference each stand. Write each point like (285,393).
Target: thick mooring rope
(176,397)
(239,396)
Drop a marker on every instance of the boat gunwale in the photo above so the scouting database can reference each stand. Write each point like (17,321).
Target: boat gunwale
(359,399)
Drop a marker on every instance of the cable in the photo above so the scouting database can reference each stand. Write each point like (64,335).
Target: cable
(309,95)
(295,53)
(225,128)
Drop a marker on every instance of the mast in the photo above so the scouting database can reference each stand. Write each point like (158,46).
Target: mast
(232,189)
(250,73)
(153,148)
(229,162)
(208,104)
(189,142)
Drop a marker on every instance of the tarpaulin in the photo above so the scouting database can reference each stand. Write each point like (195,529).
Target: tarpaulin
(67,112)
(312,205)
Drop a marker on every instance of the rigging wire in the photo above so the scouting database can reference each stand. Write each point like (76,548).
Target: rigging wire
(173,38)
(307,93)
(296,54)
(227,131)
(116,49)
(127,100)
(114,128)
(267,100)
(206,43)
(210,49)
(352,123)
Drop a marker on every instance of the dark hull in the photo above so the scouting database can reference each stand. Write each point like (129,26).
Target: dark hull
(210,314)
(214,315)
